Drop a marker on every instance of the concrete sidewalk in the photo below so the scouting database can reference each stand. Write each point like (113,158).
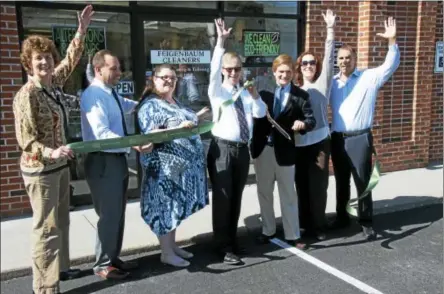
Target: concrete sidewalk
(395,191)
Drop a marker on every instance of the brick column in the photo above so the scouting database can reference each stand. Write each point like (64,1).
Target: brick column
(423,80)
(13,199)
(371,51)
(436,128)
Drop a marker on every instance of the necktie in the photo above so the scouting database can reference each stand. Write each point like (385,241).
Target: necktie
(278,104)
(277,110)
(121,112)
(243,125)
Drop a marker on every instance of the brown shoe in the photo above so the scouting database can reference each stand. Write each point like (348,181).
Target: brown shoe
(111,273)
(298,244)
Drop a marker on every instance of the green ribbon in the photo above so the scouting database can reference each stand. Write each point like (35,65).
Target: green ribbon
(155,137)
(139,140)
(374,180)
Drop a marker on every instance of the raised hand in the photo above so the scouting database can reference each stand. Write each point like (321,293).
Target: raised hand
(329,18)
(84,18)
(222,32)
(390,29)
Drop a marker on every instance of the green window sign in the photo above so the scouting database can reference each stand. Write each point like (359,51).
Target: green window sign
(95,38)
(261,43)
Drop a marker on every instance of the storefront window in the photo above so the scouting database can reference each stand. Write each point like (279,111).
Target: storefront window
(182,4)
(108,30)
(114,3)
(263,7)
(187,45)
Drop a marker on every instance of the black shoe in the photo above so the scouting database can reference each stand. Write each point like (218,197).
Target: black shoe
(69,274)
(340,223)
(320,235)
(369,233)
(264,239)
(125,265)
(231,258)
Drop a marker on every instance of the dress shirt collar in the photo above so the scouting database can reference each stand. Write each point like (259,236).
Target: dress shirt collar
(229,87)
(355,73)
(101,85)
(286,89)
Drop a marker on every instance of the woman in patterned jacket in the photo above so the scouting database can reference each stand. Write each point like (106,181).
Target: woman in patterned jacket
(40,124)
(174,184)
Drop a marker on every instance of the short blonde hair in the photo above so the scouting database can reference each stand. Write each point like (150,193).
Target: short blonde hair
(282,59)
(229,56)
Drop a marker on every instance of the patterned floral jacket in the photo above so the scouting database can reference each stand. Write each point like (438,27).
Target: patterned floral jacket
(40,118)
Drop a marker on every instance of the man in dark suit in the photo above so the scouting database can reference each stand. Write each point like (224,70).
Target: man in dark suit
(274,154)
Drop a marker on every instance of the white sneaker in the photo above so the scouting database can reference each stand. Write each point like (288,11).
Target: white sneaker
(183,253)
(174,260)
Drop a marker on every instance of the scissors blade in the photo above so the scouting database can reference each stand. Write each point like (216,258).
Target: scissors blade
(278,127)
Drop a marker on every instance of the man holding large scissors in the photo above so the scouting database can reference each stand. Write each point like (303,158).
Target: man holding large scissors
(228,158)
(273,149)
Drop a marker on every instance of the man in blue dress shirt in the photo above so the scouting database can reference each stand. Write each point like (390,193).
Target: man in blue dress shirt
(352,100)
(102,117)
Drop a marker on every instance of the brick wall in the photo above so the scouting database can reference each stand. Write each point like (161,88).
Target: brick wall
(403,115)
(436,134)
(13,200)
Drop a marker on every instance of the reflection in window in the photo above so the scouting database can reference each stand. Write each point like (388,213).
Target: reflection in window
(262,7)
(188,46)
(112,3)
(182,4)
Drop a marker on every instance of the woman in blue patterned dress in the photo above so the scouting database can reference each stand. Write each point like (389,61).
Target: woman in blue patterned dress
(174,184)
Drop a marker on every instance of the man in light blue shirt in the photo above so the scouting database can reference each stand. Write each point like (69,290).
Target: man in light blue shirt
(352,101)
(106,172)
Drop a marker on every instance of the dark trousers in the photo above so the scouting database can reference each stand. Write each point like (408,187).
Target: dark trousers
(311,178)
(107,177)
(352,155)
(228,165)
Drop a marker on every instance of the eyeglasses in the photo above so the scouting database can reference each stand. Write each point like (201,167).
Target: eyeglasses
(166,78)
(307,62)
(230,69)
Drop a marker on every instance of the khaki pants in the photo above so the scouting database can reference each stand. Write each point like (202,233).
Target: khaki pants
(267,173)
(49,195)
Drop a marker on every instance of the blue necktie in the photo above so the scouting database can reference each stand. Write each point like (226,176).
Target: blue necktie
(278,103)
(243,125)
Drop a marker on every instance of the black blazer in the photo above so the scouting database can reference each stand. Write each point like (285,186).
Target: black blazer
(298,107)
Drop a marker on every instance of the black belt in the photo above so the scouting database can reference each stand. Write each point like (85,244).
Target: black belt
(352,133)
(109,153)
(231,143)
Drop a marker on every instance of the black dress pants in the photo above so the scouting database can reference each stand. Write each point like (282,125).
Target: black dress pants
(228,165)
(352,155)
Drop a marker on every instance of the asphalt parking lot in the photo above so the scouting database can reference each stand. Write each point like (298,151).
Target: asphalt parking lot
(407,257)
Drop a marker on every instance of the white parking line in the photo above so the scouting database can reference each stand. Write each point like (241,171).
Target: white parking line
(346,278)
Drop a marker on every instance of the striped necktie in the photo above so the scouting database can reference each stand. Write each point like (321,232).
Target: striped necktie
(243,125)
